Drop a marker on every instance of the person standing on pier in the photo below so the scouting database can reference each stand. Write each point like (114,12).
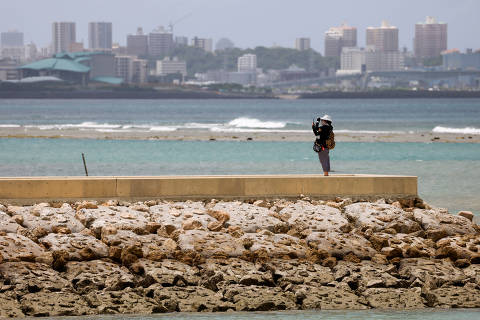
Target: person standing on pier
(324,141)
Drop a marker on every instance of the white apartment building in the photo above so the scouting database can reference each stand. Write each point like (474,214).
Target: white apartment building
(358,60)
(171,66)
(247,63)
(131,69)
(63,36)
(160,42)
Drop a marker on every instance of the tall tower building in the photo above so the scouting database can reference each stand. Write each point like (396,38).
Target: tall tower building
(205,44)
(160,42)
(430,38)
(302,44)
(337,38)
(137,44)
(63,35)
(11,39)
(383,38)
(247,63)
(100,35)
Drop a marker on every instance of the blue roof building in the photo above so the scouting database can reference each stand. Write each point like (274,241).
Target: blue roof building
(75,67)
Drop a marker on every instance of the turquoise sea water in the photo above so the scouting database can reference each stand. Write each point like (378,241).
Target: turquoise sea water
(464,314)
(449,173)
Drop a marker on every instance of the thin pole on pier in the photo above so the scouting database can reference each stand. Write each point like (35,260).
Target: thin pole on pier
(84,164)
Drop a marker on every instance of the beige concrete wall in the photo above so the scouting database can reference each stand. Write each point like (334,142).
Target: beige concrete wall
(26,190)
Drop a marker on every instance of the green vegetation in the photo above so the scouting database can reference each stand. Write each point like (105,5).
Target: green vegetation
(267,58)
(433,62)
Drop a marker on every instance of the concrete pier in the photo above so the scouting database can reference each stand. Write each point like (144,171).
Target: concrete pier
(25,190)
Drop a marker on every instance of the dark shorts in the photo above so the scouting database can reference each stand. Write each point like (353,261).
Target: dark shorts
(324,158)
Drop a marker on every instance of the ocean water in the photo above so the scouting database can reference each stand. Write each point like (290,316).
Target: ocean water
(349,115)
(449,173)
(459,314)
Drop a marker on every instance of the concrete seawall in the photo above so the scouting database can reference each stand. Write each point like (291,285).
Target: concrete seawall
(25,190)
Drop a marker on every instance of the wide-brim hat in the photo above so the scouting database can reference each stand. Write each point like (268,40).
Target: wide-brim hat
(326,118)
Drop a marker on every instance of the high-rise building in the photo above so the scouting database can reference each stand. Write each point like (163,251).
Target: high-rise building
(337,38)
(359,60)
(63,35)
(205,44)
(383,38)
(131,69)
(247,63)
(100,35)
(302,44)
(181,41)
(160,42)
(171,66)
(137,44)
(11,39)
(430,38)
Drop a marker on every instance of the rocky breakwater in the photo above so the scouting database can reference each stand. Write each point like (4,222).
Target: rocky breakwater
(159,256)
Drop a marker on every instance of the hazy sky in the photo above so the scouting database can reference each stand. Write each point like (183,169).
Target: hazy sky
(248,23)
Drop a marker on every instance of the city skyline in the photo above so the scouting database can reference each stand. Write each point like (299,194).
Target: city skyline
(226,19)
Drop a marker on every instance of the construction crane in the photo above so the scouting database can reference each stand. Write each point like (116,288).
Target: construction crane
(172,24)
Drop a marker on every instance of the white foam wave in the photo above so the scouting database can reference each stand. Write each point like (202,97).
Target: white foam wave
(9,126)
(466,130)
(244,122)
(163,129)
(240,130)
(83,125)
(369,132)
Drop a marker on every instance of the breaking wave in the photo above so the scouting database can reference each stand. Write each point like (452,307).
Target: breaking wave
(466,130)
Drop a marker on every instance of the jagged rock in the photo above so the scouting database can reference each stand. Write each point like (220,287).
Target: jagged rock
(193,299)
(170,272)
(379,217)
(466,214)
(87,205)
(50,304)
(86,276)
(50,219)
(440,219)
(458,247)
(318,218)
(251,218)
(234,269)
(296,272)
(472,273)
(210,244)
(121,302)
(434,273)
(188,215)
(8,224)
(80,247)
(328,298)
(456,297)
(256,298)
(15,247)
(382,298)
(9,306)
(122,218)
(33,277)
(276,245)
(340,244)
(154,247)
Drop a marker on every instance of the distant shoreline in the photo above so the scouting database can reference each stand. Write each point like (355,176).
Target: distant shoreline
(191,94)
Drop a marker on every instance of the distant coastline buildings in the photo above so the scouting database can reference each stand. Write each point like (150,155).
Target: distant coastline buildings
(383,38)
(336,38)
(63,36)
(137,44)
(100,35)
(430,38)
(302,44)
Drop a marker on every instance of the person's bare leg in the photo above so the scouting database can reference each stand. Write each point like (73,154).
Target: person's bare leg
(325,173)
